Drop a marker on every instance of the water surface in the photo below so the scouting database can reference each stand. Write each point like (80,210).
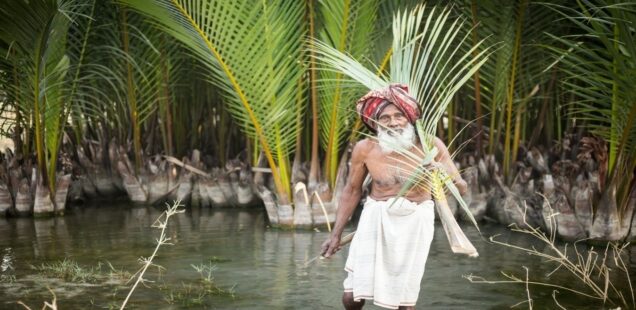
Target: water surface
(263,268)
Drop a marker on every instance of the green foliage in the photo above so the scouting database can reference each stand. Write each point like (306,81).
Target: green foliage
(349,27)
(426,57)
(198,292)
(252,53)
(71,271)
(599,63)
(47,56)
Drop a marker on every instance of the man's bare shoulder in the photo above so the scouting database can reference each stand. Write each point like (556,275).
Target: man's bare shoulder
(365,146)
(363,149)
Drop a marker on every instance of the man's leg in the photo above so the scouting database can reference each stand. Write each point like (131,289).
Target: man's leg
(349,303)
(406,308)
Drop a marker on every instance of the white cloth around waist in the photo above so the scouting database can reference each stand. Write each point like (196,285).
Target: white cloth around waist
(389,250)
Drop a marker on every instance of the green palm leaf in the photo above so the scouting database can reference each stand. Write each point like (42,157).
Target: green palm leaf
(347,26)
(599,64)
(426,57)
(252,52)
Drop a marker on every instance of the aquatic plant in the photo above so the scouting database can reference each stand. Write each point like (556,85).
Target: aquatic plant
(7,278)
(197,292)
(596,271)
(69,270)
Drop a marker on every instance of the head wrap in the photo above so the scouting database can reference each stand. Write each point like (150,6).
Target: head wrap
(371,105)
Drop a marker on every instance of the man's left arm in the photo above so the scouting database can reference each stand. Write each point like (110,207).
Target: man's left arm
(444,158)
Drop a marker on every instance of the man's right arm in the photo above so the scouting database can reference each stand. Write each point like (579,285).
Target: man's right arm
(350,196)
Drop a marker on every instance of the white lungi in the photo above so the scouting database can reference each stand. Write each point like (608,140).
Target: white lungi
(389,250)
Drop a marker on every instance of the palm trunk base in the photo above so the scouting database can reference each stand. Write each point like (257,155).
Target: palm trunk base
(270,206)
(474,198)
(42,206)
(5,199)
(61,193)
(607,225)
(185,189)
(302,211)
(23,200)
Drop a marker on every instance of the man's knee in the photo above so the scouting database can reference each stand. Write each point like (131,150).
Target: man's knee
(349,303)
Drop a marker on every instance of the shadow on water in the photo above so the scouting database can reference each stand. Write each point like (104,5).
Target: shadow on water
(255,267)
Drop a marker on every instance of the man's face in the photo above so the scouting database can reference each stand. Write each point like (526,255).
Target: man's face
(395,132)
(392,118)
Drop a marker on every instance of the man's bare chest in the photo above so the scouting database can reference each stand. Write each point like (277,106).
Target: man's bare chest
(389,169)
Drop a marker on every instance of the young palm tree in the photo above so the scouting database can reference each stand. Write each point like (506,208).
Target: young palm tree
(47,48)
(425,57)
(252,52)
(599,62)
(347,26)
(508,86)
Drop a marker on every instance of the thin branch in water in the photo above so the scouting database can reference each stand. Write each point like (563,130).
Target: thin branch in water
(556,301)
(161,223)
(52,305)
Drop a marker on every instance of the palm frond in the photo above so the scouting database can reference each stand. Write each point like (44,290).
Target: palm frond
(253,53)
(347,26)
(599,63)
(426,57)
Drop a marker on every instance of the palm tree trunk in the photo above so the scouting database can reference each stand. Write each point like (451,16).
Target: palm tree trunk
(314,168)
(42,206)
(38,108)
(511,87)
(478,113)
(130,93)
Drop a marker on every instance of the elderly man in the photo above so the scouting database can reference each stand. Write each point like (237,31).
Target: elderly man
(388,253)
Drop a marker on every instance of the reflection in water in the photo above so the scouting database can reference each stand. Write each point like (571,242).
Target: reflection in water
(266,267)
(7,262)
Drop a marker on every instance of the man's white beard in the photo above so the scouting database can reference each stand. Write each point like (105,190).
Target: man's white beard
(398,141)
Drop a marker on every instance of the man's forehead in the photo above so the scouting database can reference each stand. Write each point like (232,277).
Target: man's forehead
(389,108)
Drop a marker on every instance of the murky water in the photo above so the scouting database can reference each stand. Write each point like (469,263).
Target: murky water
(257,267)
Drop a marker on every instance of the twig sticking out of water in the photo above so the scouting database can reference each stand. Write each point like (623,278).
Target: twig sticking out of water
(52,305)
(591,269)
(161,223)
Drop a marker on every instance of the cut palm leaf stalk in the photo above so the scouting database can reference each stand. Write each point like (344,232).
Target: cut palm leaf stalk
(458,241)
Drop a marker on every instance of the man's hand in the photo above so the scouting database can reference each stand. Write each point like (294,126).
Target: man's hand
(330,246)
(457,179)
(436,165)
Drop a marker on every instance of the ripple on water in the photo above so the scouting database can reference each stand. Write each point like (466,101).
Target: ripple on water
(265,267)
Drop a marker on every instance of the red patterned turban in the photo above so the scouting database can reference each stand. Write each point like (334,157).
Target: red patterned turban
(371,105)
